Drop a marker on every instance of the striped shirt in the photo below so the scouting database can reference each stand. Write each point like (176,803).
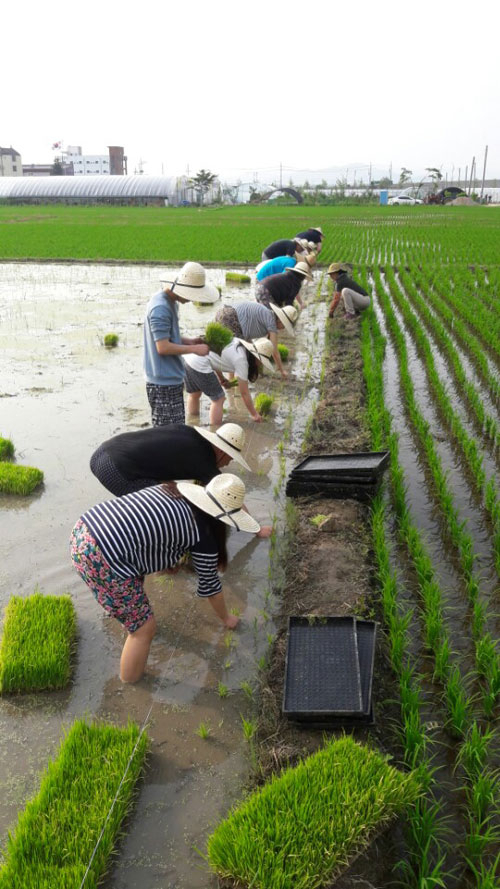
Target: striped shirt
(255,319)
(149,531)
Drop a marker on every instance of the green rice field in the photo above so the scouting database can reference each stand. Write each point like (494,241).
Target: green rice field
(238,234)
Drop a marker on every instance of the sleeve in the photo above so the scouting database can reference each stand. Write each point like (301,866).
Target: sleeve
(205,565)
(160,323)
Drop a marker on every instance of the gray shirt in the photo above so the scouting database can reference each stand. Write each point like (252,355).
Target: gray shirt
(255,319)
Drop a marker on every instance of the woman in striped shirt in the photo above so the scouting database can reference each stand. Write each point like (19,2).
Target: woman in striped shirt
(116,543)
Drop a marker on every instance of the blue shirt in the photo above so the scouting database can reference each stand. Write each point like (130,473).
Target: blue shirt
(162,323)
(275,266)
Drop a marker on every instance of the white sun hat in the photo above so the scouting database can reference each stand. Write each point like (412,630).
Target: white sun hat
(317,228)
(191,284)
(302,268)
(262,348)
(229,437)
(287,315)
(222,498)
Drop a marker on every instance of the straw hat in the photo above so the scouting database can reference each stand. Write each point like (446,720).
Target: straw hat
(338,267)
(303,242)
(317,228)
(287,315)
(262,348)
(230,438)
(303,269)
(190,284)
(222,498)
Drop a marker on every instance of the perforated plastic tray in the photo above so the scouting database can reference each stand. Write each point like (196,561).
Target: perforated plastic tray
(329,670)
(362,465)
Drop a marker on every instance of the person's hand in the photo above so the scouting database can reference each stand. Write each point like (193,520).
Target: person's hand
(231,621)
(265,531)
(172,489)
(200,349)
(284,375)
(257,418)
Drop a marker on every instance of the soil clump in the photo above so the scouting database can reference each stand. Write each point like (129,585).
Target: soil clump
(330,572)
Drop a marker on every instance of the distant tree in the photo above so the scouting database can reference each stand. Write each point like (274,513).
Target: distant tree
(385,182)
(435,174)
(405,175)
(202,182)
(57,168)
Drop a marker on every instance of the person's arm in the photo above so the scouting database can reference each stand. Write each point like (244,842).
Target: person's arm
(192,340)
(273,336)
(167,347)
(334,303)
(248,401)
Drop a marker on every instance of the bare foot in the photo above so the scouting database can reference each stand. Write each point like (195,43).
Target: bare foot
(231,622)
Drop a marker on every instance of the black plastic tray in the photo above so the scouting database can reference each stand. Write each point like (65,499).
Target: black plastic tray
(362,491)
(329,670)
(367,465)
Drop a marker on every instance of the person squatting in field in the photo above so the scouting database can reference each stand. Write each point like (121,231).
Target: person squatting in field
(355,297)
(115,544)
(240,359)
(164,346)
(251,320)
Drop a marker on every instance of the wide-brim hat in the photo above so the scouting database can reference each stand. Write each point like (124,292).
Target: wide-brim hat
(262,348)
(222,498)
(287,315)
(337,267)
(317,228)
(229,437)
(301,268)
(191,284)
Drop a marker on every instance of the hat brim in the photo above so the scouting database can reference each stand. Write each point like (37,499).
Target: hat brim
(219,442)
(285,320)
(300,272)
(207,294)
(196,494)
(263,358)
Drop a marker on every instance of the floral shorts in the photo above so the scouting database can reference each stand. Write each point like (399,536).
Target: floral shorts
(123,599)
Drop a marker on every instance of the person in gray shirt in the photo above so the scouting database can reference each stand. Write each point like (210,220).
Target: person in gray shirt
(251,320)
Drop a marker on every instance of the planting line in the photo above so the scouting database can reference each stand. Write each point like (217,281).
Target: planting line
(141,732)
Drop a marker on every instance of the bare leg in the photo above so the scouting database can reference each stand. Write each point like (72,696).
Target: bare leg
(215,415)
(193,402)
(219,606)
(136,650)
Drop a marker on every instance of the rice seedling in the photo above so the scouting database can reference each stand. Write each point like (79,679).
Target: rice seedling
(458,704)
(217,336)
(6,449)
(237,278)
(92,777)
(263,404)
(19,480)
(317,519)
(249,728)
(111,340)
(247,689)
(204,730)
(222,690)
(284,351)
(37,643)
(338,797)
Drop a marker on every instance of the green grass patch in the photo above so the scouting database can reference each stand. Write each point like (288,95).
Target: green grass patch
(284,351)
(55,836)
(37,643)
(237,278)
(16,479)
(305,825)
(217,336)
(317,519)
(263,404)
(6,449)
(111,340)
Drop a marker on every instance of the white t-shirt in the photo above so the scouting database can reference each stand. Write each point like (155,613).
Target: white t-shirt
(233,359)
(201,363)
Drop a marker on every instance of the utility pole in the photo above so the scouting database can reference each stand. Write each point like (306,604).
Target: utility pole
(466,177)
(484,174)
(281,174)
(471,173)
(459,176)
(370,175)
(390,171)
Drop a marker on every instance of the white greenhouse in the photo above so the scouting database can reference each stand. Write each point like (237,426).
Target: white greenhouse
(157,190)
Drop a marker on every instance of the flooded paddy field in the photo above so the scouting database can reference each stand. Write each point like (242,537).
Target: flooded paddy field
(61,394)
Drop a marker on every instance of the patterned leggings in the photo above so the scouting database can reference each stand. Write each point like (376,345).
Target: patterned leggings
(123,599)
(167,404)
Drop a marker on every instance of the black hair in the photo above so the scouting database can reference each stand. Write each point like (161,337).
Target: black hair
(253,365)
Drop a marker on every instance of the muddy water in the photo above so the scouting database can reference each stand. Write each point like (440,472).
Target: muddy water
(61,394)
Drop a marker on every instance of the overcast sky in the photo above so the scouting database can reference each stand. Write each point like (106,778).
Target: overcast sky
(240,89)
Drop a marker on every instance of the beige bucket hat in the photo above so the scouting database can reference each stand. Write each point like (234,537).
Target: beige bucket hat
(191,284)
(222,498)
(229,437)
(287,315)
(317,228)
(337,267)
(302,268)
(262,348)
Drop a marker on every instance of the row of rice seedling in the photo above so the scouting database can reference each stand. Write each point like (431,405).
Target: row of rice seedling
(487,423)
(459,536)
(481,788)
(65,835)
(485,322)
(470,448)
